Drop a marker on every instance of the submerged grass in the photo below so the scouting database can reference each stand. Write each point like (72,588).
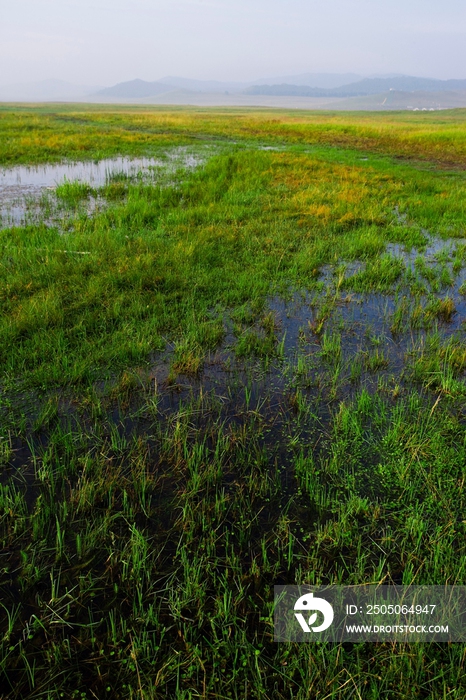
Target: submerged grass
(247,375)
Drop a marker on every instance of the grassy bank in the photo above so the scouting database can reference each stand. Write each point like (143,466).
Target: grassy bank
(246,373)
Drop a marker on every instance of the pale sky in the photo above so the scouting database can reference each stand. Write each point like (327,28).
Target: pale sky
(108,41)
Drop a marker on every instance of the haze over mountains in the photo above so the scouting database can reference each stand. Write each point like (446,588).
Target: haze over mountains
(367,86)
(308,90)
(51,90)
(306,85)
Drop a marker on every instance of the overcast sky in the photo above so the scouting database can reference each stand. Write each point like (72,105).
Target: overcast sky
(102,42)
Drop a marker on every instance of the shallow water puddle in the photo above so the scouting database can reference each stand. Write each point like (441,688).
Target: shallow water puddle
(22,186)
(435,251)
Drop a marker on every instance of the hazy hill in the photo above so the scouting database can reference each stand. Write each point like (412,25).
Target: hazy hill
(367,86)
(405,83)
(135,88)
(321,80)
(288,90)
(315,80)
(204,85)
(142,88)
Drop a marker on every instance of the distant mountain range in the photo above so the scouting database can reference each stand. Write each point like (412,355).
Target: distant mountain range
(61,90)
(317,89)
(367,86)
(316,80)
(295,88)
(204,85)
(321,80)
(141,88)
(136,88)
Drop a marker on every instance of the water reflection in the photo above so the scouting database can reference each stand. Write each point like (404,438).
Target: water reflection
(22,186)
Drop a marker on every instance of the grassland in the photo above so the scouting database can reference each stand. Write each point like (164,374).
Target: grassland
(242,374)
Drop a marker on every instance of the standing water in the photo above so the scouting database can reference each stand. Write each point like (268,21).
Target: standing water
(22,186)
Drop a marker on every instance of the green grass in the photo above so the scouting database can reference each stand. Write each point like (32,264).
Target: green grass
(94,131)
(246,373)
(165,258)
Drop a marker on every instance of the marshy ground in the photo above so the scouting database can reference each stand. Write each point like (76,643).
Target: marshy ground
(237,363)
